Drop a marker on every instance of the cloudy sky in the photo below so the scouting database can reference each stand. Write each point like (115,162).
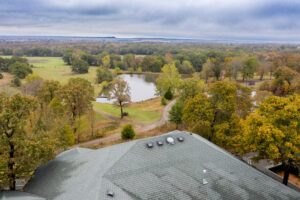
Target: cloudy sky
(203,19)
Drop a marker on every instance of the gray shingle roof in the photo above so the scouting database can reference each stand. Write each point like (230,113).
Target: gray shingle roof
(133,171)
(16,195)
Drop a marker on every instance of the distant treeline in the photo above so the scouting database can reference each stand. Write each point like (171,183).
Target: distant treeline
(57,49)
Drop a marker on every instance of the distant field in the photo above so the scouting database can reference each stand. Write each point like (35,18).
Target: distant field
(54,68)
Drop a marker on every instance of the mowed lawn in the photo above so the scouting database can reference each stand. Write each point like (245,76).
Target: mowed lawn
(54,68)
(136,112)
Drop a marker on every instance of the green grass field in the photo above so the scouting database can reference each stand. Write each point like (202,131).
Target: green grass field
(54,68)
(135,114)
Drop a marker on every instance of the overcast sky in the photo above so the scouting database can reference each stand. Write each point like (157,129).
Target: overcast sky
(203,19)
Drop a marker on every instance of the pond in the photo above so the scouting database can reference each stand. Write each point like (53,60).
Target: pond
(142,87)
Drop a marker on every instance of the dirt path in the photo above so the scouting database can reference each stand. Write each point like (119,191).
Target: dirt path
(145,127)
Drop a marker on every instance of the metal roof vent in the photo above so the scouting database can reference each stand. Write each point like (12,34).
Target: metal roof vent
(149,145)
(180,139)
(110,193)
(204,181)
(170,140)
(159,143)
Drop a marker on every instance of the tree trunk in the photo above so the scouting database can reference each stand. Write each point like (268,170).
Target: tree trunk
(11,163)
(285,179)
(121,106)
(261,76)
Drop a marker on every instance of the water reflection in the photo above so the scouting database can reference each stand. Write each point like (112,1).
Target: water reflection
(142,87)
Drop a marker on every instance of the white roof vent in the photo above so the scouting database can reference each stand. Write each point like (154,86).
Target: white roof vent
(170,140)
(204,181)
(110,193)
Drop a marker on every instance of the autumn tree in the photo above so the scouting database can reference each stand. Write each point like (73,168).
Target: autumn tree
(48,90)
(273,131)
(217,116)
(119,91)
(168,79)
(32,84)
(21,150)
(206,72)
(190,87)
(198,115)
(77,95)
(284,83)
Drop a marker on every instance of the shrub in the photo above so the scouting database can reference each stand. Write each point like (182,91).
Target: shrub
(103,74)
(16,82)
(163,101)
(100,134)
(1,76)
(127,132)
(169,95)
(21,70)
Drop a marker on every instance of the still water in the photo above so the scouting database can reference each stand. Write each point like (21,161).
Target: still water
(142,87)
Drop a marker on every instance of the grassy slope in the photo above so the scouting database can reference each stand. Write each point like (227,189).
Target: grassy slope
(148,111)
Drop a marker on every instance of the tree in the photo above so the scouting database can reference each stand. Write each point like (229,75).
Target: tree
(176,113)
(168,79)
(106,62)
(103,74)
(163,101)
(190,87)
(48,90)
(169,95)
(262,69)
(198,115)
(20,70)
(206,72)
(119,92)
(77,95)
(284,83)
(66,136)
(127,132)
(273,131)
(32,84)
(67,56)
(186,67)
(21,150)
(218,117)
(129,61)
(79,66)
(216,68)
(249,66)
(32,77)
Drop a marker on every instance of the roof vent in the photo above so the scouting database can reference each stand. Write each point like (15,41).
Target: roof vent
(204,181)
(110,193)
(149,145)
(170,140)
(180,139)
(160,143)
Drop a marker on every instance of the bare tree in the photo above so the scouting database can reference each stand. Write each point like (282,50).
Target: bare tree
(120,93)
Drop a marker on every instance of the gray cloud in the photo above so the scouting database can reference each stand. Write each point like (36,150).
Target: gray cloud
(209,19)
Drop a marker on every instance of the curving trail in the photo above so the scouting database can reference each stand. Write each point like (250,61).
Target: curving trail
(145,127)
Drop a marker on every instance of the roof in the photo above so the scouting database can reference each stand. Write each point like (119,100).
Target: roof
(16,195)
(132,171)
